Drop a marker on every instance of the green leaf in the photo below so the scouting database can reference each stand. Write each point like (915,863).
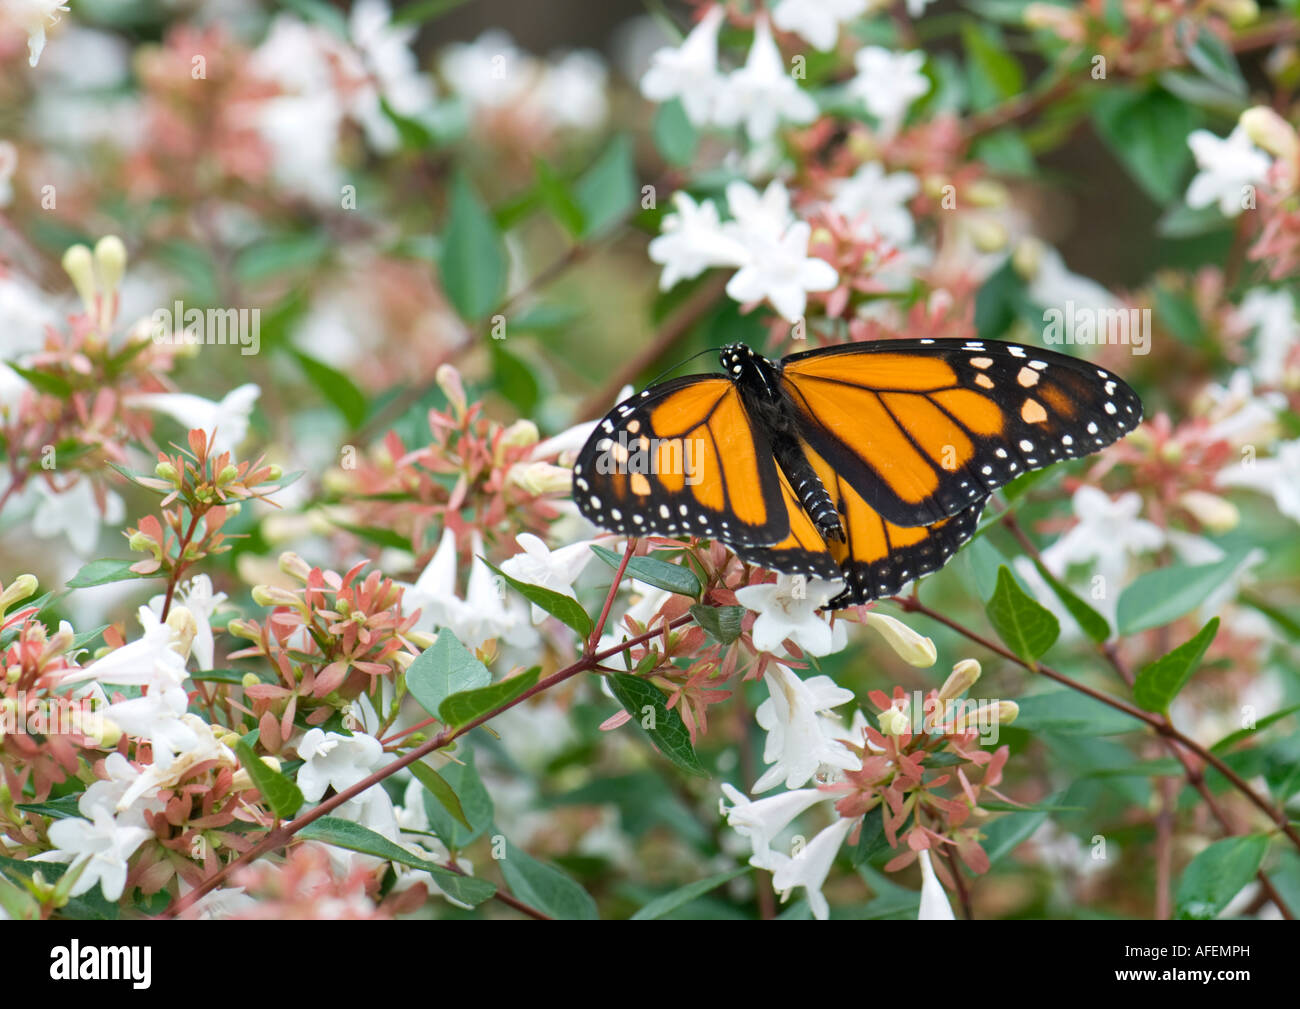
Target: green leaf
(438,787)
(421,11)
(515,379)
(564,608)
(443,669)
(59,809)
(721,622)
(1159,683)
(994,73)
(1147,131)
(354,837)
(1027,628)
(472,262)
(1182,221)
(103,572)
(608,189)
(1071,713)
(545,887)
(662,575)
(336,387)
(871,840)
(460,709)
(50,385)
(666,729)
(475,804)
(1218,874)
(282,795)
(558,200)
(1236,737)
(674,134)
(1160,597)
(1211,56)
(1093,623)
(1006,833)
(280,254)
(670,902)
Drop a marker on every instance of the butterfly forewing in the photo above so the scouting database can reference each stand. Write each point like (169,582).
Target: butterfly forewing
(682,458)
(923,429)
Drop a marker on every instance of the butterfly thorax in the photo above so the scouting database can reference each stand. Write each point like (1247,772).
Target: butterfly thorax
(769,407)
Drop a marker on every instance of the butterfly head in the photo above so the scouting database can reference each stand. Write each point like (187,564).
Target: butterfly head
(734,357)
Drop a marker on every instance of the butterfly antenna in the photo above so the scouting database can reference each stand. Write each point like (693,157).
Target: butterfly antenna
(680,364)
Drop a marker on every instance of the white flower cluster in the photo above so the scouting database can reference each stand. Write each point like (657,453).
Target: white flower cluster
(763,242)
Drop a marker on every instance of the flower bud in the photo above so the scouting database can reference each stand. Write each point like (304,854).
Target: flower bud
(20,588)
(142,543)
(292,564)
(999,713)
(448,379)
(110,262)
(421,639)
(894,722)
(961,679)
(1275,135)
(166,471)
(242,629)
(228,474)
(250,680)
(988,236)
(1027,258)
(1239,13)
(103,731)
(542,478)
(986,193)
(520,433)
(79,265)
(913,648)
(1216,514)
(274,472)
(184,628)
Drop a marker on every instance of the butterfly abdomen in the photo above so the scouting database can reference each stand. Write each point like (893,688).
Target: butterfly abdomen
(767,404)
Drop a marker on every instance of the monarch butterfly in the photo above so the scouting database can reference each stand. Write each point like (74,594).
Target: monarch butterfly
(867,462)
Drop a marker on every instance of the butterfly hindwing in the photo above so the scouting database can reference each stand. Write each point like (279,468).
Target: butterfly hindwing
(923,429)
(877,558)
(682,458)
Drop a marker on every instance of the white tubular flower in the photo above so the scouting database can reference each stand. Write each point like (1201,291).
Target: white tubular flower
(1227,167)
(197,596)
(755,217)
(799,742)
(34,16)
(1278,477)
(762,94)
(689,71)
(879,198)
(816,21)
(782,273)
(934,901)
(334,760)
(888,83)
(913,648)
(102,845)
(1272,315)
(556,570)
(228,418)
(1108,535)
(762,820)
(481,615)
(810,867)
(788,609)
(75,514)
(691,241)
